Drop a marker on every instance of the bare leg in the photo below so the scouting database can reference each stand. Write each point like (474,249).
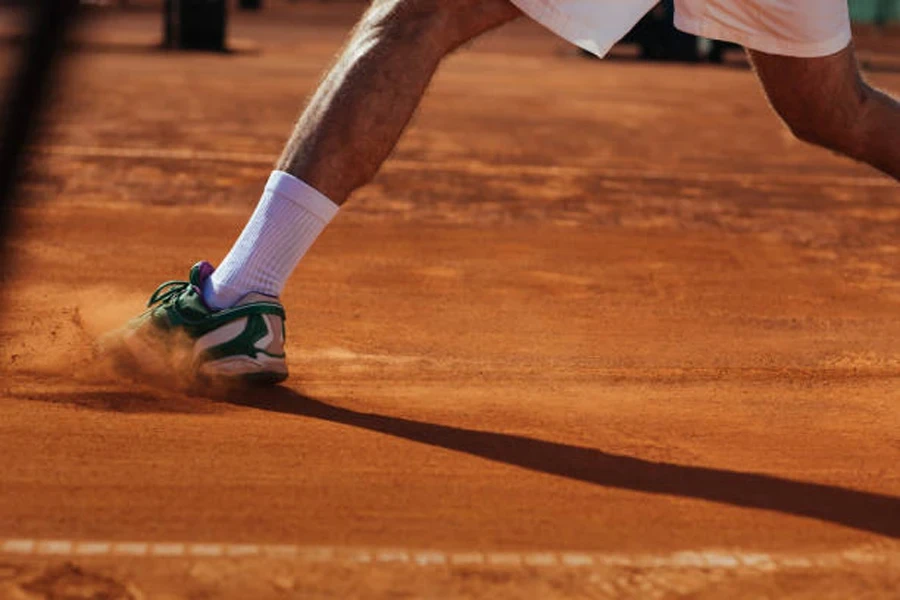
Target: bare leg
(362,106)
(825,101)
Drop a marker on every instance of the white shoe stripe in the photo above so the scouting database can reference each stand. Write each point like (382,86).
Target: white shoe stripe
(219,336)
(266,339)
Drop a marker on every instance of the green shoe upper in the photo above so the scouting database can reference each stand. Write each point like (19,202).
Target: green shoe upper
(179,305)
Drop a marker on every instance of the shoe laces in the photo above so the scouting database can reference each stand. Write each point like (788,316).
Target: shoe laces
(168,291)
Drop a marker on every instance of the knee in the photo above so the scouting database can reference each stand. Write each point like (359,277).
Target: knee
(437,25)
(818,130)
(837,124)
(404,20)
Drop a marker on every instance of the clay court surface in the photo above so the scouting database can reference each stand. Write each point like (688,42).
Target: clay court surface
(597,330)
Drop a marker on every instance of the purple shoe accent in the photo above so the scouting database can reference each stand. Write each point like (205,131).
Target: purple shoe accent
(200,274)
(204,271)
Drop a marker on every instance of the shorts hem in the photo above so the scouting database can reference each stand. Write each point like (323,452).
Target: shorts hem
(563,26)
(762,43)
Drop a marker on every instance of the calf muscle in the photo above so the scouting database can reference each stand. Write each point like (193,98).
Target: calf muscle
(365,101)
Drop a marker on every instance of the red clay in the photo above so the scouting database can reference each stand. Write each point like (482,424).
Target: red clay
(609,307)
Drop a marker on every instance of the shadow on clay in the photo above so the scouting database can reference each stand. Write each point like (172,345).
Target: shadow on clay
(125,401)
(865,511)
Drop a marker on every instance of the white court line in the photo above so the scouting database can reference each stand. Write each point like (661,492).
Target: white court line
(130,549)
(482,168)
(540,559)
(429,558)
(167,550)
(206,550)
(708,559)
(93,548)
(58,547)
(504,559)
(467,558)
(238,550)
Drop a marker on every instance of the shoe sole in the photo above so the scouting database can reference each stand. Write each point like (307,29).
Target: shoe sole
(152,359)
(261,370)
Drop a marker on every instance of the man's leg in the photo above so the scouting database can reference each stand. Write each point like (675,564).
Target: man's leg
(231,316)
(826,102)
(362,106)
(348,129)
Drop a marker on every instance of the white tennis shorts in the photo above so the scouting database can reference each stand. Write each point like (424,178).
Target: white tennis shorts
(802,28)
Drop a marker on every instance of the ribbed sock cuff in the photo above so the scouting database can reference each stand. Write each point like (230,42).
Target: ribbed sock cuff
(300,192)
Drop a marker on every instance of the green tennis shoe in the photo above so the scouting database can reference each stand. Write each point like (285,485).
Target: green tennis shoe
(180,335)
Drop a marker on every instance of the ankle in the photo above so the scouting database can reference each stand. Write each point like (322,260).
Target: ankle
(219,297)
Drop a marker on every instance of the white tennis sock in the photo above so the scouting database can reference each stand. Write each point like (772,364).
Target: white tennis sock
(288,219)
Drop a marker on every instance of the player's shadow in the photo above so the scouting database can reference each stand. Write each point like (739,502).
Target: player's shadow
(867,511)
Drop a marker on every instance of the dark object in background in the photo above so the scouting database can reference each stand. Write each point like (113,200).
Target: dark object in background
(250,4)
(48,22)
(660,40)
(195,24)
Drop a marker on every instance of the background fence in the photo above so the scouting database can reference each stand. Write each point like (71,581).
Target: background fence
(875,11)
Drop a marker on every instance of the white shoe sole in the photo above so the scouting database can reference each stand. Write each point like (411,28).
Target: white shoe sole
(151,359)
(261,368)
